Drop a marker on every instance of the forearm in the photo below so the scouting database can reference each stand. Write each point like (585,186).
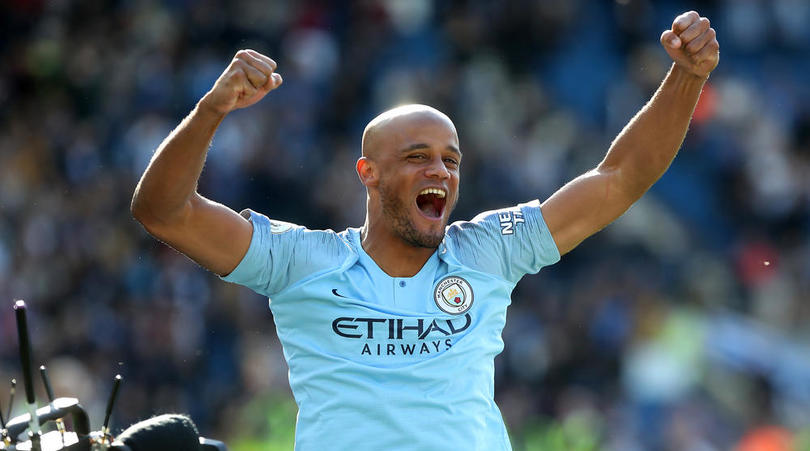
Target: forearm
(644,149)
(170,181)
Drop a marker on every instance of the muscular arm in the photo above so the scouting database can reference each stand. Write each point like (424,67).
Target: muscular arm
(166,201)
(644,149)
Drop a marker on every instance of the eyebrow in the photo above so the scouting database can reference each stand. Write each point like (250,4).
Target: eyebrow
(416,146)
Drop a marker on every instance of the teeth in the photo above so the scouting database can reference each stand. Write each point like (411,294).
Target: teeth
(438,192)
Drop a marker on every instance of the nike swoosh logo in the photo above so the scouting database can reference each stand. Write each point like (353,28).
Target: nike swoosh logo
(334,291)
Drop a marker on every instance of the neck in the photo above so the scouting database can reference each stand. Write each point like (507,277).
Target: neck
(394,256)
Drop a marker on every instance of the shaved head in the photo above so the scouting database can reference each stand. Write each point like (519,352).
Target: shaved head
(410,167)
(391,123)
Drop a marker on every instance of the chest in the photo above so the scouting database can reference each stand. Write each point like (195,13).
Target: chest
(439,295)
(356,315)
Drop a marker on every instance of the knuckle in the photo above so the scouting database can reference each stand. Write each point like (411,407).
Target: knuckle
(237,65)
(239,75)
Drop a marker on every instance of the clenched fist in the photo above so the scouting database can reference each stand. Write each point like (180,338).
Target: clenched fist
(248,78)
(692,44)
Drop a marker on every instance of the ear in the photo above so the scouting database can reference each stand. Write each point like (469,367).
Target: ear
(367,171)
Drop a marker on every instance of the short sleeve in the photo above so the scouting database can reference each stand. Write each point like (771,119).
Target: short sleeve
(265,268)
(509,242)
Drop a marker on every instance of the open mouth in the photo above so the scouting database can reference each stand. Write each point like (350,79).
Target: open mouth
(431,202)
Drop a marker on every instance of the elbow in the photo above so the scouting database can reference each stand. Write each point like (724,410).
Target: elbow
(144,213)
(156,218)
(625,182)
(145,216)
(138,209)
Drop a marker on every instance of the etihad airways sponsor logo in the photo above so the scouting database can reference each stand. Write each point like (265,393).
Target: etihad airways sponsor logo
(398,328)
(404,331)
(431,347)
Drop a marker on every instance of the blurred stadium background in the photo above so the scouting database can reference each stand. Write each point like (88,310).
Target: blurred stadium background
(684,326)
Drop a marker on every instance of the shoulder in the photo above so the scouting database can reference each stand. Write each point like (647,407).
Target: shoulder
(282,253)
(494,223)
(507,242)
(298,235)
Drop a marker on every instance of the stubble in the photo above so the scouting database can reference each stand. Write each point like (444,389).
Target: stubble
(397,214)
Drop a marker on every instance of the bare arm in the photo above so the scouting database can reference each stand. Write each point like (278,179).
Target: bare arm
(166,201)
(644,149)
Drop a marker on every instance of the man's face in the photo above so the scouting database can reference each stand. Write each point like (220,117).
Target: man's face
(419,176)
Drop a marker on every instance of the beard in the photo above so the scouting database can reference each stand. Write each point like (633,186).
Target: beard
(396,212)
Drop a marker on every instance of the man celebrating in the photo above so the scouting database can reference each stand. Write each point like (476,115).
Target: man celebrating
(390,330)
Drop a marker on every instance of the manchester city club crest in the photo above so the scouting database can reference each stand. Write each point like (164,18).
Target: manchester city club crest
(453,295)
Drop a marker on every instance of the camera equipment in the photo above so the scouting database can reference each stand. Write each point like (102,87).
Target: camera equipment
(165,432)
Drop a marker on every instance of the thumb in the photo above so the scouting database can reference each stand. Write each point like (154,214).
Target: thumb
(670,39)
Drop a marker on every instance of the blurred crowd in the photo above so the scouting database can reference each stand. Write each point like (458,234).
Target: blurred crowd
(683,326)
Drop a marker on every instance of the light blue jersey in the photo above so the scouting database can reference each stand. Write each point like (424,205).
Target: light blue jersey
(395,363)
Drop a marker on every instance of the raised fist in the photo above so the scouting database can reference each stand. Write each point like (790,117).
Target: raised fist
(248,78)
(692,44)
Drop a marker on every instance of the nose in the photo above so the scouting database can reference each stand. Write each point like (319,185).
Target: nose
(437,169)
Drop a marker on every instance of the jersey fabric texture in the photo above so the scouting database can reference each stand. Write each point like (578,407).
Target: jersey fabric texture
(400,363)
